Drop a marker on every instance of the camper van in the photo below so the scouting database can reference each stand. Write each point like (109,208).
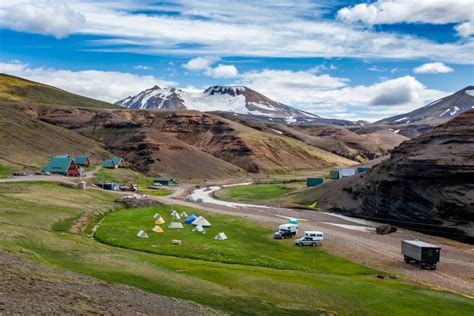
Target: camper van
(310,238)
(286,231)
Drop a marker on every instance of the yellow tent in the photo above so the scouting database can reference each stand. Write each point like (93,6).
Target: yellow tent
(160,221)
(158,229)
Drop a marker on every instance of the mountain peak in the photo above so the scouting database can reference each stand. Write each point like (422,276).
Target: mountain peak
(231,90)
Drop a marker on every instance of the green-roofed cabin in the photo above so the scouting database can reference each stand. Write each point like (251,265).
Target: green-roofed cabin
(334,174)
(62,165)
(82,161)
(119,162)
(312,182)
(109,164)
(164,181)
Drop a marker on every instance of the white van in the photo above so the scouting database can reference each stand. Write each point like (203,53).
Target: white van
(315,235)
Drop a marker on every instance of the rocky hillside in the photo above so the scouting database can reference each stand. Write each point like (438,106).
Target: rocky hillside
(427,184)
(190,143)
(238,100)
(28,142)
(336,139)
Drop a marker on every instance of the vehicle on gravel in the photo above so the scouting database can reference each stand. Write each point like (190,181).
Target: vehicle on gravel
(310,238)
(286,231)
(42,173)
(422,253)
(20,174)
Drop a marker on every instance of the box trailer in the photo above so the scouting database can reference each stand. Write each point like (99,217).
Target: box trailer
(422,253)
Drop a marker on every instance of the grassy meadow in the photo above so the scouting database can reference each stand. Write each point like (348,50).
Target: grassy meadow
(255,192)
(249,274)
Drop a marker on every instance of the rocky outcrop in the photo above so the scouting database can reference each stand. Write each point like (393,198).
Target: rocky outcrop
(426,185)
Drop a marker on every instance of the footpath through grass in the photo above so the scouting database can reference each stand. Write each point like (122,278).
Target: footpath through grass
(266,277)
(254,192)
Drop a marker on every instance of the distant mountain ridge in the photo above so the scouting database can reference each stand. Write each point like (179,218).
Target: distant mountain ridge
(440,110)
(238,100)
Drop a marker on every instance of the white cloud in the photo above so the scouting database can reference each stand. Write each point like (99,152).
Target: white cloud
(223,71)
(271,29)
(332,97)
(432,68)
(397,11)
(200,63)
(204,65)
(47,18)
(465,29)
(290,87)
(142,67)
(405,11)
(103,85)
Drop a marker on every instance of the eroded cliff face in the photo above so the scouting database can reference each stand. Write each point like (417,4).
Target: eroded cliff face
(427,184)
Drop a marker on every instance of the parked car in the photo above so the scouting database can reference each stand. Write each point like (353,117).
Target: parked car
(20,174)
(41,173)
(310,238)
(307,241)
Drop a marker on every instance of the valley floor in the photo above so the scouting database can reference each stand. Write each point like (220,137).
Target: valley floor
(349,238)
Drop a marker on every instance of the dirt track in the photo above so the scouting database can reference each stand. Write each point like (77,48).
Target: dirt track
(455,271)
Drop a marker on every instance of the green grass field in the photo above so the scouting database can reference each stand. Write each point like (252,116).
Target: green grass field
(266,277)
(6,171)
(125,176)
(255,192)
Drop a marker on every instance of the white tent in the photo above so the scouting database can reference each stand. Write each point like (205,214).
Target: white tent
(175,225)
(142,234)
(175,216)
(201,221)
(184,214)
(220,236)
(199,229)
(173,212)
(156,216)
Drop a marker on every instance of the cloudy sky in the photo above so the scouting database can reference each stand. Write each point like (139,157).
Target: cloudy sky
(338,59)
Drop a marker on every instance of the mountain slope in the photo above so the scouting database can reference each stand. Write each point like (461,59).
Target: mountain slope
(238,100)
(427,184)
(18,90)
(26,141)
(433,114)
(206,137)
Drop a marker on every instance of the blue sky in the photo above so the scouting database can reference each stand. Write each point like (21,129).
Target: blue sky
(332,58)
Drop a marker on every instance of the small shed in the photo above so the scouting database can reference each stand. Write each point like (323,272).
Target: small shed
(62,165)
(334,174)
(362,170)
(346,172)
(82,161)
(111,186)
(119,162)
(164,181)
(312,182)
(109,164)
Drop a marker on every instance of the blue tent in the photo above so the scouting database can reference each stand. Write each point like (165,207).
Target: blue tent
(190,219)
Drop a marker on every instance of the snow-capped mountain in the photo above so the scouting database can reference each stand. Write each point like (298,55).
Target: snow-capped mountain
(438,111)
(239,100)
